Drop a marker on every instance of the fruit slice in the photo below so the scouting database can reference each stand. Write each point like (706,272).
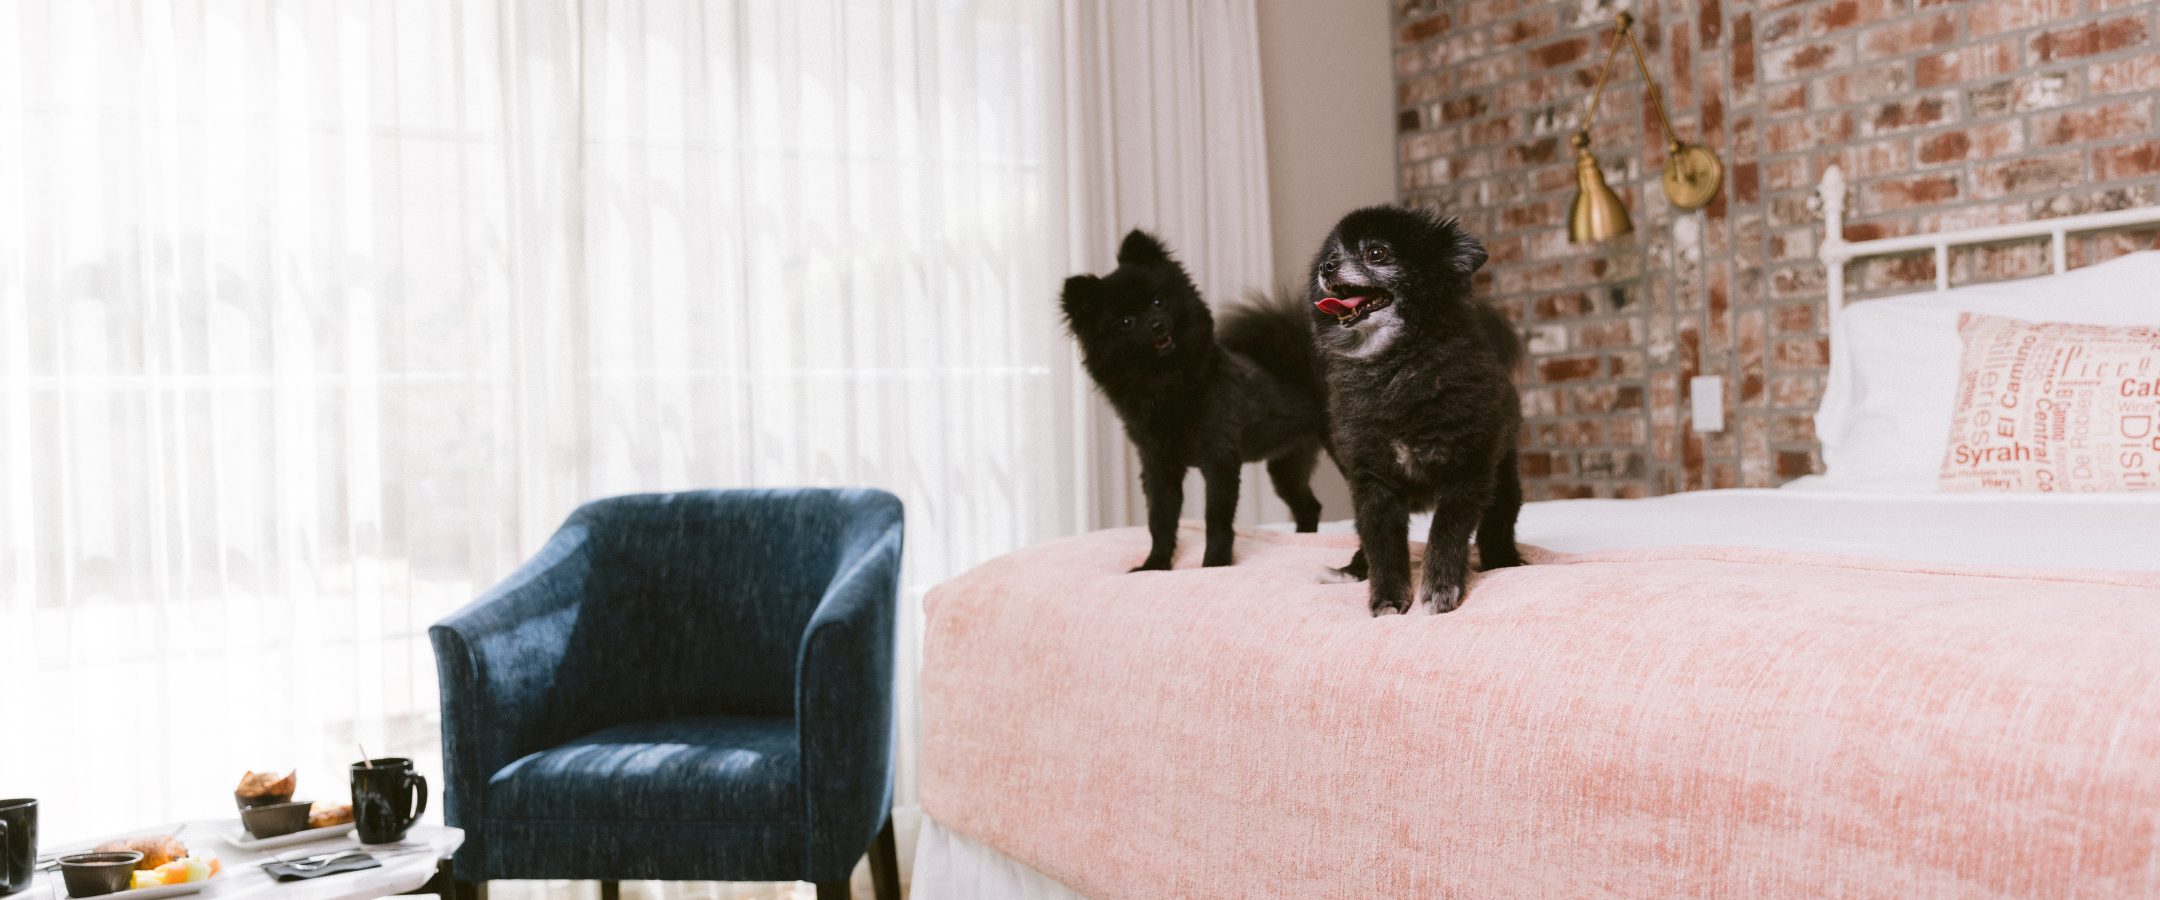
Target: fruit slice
(143,878)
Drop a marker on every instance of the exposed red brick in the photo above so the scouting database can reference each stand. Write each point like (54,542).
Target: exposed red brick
(1526,29)
(1797,317)
(2099,123)
(1422,30)
(1965,64)
(1462,108)
(1945,147)
(1906,114)
(1538,152)
(1786,99)
(2087,40)
(1560,53)
(1559,306)
(1864,85)
(1780,28)
(1542,214)
(1709,23)
(1842,14)
(2134,161)
(1794,392)
(1605,334)
(1899,38)
(2138,73)
(1782,65)
(1743,52)
(2041,173)
(1795,463)
(1911,192)
(1567,368)
(1984,19)
(1746,182)
(1865,231)
(1978,142)
(1679,82)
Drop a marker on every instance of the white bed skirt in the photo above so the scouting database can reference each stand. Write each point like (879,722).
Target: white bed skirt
(952,866)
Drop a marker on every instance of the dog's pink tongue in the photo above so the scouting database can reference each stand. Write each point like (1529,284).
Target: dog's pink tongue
(1341,307)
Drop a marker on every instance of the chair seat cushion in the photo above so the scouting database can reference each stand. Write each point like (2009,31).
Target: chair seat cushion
(720,769)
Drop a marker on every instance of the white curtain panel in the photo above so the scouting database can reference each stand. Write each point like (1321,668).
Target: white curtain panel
(315,319)
(1163,131)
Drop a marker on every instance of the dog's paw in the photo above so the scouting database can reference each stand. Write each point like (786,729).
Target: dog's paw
(1151,565)
(1389,603)
(1443,600)
(1211,560)
(1507,560)
(1332,575)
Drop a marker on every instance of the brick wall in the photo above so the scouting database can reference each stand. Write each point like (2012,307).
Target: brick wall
(1943,115)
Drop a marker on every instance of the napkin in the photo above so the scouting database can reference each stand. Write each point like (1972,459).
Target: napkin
(291,872)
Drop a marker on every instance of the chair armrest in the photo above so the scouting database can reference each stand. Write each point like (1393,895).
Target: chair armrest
(497,660)
(844,696)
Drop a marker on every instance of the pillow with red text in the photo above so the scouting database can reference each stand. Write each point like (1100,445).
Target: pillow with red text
(2050,406)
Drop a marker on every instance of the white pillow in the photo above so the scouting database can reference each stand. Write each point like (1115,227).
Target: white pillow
(1885,414)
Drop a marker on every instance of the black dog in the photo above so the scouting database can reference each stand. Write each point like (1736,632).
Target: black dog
(1191,394)
(1424,411)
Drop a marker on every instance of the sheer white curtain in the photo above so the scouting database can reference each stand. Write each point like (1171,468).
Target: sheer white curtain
(317,318)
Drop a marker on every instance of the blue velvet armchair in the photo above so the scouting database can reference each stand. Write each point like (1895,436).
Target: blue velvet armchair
(691,686)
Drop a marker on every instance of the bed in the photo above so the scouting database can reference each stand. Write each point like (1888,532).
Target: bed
(1860,684)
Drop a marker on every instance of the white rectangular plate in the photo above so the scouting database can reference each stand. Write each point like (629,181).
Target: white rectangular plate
(169,890)
(231,833)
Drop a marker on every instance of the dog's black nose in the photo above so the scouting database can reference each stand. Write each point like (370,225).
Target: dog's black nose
(1158,325)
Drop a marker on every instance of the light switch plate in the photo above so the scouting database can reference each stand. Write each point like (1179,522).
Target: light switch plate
(1706,394)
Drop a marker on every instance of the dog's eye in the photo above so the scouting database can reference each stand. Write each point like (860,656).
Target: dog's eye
(1158,303)
(1377,254)
(1125,322)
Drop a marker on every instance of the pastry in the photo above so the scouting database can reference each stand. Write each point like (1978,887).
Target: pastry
(267,787)
(157,849)
(324,815)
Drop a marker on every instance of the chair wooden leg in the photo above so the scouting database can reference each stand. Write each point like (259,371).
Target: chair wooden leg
(885,864)
(611,890)
(833,890)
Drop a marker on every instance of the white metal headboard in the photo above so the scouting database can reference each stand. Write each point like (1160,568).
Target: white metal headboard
(1837,251)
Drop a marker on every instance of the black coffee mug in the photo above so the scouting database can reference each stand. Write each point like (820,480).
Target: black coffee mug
(387,798)
(18,844)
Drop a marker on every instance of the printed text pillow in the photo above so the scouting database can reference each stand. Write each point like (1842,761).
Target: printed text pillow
(2047,406)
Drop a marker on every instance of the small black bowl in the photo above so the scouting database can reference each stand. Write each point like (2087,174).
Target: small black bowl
(275,819)
(248,803)
(96,874)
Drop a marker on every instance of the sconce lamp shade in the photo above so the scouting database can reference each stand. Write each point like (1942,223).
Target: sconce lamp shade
(1597,213)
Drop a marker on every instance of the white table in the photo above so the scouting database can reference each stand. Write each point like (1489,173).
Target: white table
(406,865)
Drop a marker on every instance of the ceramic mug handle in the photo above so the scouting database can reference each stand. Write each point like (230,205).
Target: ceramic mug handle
(418,782)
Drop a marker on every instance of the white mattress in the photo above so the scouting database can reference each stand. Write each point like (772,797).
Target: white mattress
(2077,531)
(2091,531)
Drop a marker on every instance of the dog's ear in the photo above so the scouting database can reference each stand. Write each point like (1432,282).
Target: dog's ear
(1142,248)
(1081,292)
(1463,252)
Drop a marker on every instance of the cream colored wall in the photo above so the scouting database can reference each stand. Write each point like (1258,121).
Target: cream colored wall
(1328,93)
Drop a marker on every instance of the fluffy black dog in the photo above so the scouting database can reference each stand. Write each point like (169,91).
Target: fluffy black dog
(1191,394)
(1424,412)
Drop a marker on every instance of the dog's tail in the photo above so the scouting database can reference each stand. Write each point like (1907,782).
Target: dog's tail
(1500,335)
(1276,333)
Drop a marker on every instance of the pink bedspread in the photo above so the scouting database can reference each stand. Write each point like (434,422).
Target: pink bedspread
(1686,721)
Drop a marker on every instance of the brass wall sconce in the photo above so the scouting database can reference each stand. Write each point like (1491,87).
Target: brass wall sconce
(1692,171)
